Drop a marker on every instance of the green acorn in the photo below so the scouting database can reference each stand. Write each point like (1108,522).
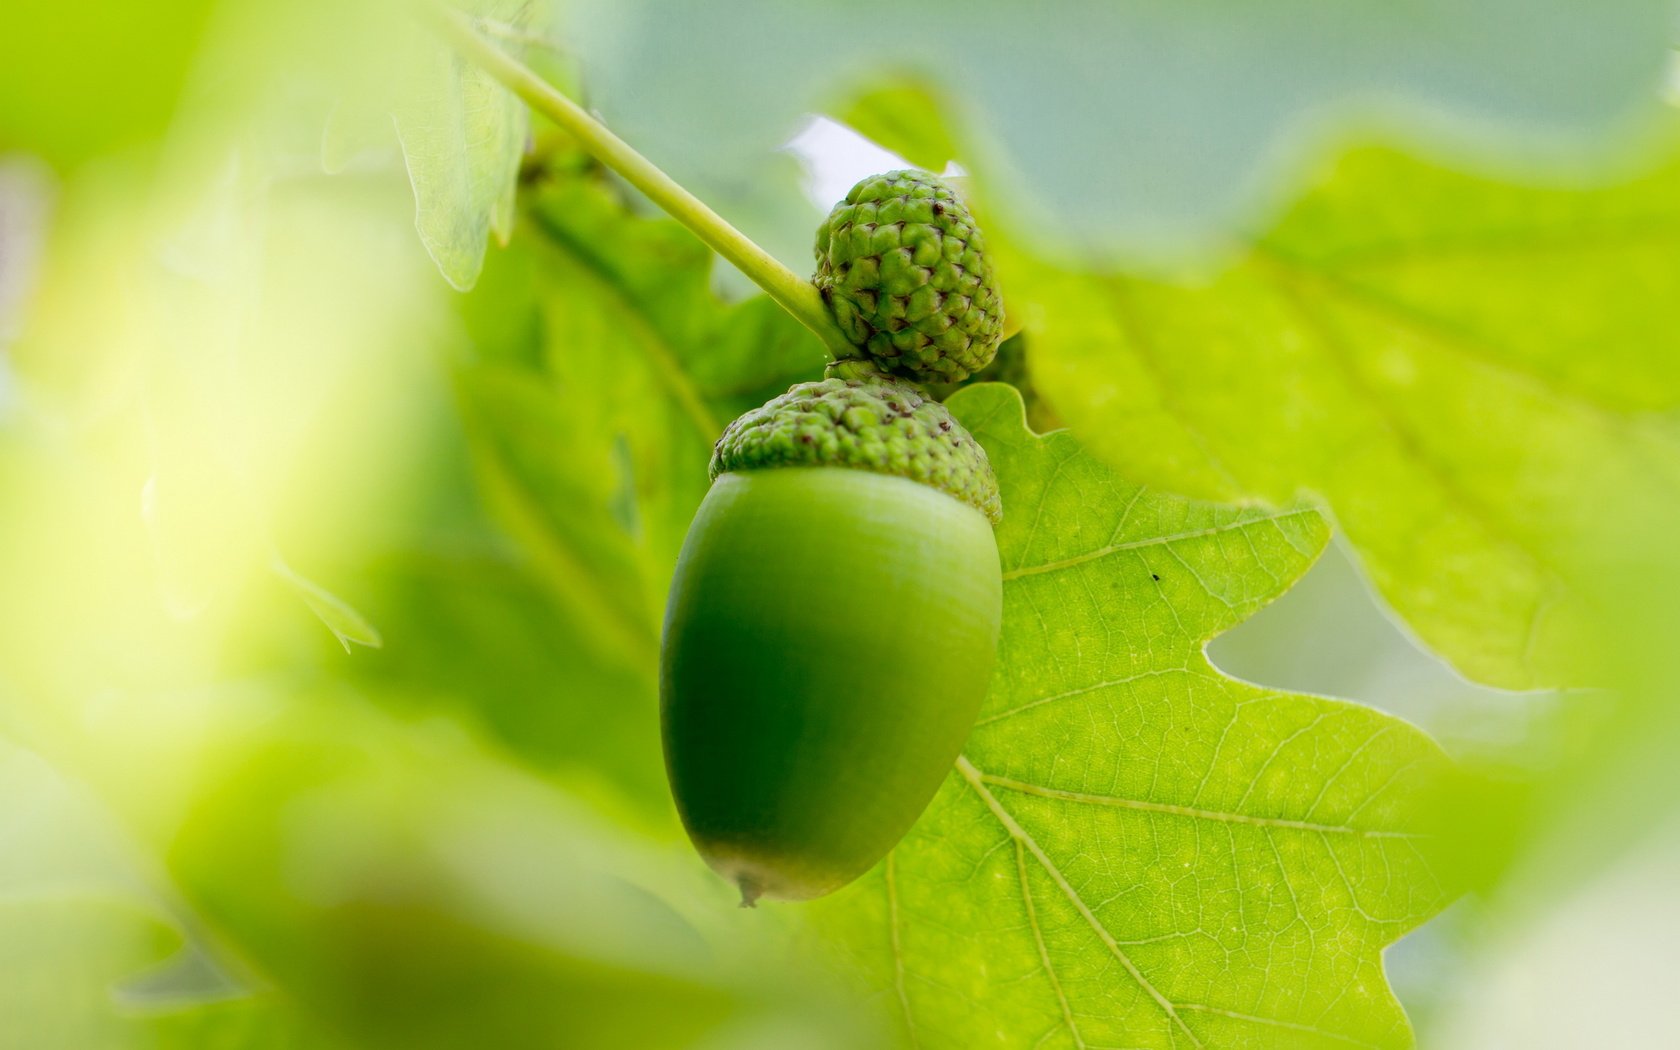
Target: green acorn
(830,633)
(878,424)
(904,271)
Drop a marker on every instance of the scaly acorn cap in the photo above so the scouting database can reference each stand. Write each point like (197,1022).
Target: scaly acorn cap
(904,271)
(881,424)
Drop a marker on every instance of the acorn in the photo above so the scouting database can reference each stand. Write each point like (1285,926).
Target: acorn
(904,271)
(831,631)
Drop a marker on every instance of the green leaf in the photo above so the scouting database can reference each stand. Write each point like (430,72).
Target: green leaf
(604,368)
(1012,365)
(1160,124)
(71,925)
(904,116)
(408,890)
(341,618)
(252,1022)
(107,80)
(1479,381)
(541,479)
(1136,850)
(60,956)
(487,642)
(463,135)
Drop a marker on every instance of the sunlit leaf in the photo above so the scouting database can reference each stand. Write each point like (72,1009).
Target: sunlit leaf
(1478,381)
(463,135)
(109,78)
(341,618)
(1136,850)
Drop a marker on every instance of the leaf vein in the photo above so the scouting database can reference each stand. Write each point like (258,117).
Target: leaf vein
(1153,541)
(1170,809)
(977,781)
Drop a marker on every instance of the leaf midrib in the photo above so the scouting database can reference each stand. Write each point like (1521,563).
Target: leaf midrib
(977,781)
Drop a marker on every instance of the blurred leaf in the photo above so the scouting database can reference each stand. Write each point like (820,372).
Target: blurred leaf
(603,369)
(75,921)
(1625,923)
(558,509)
(483,639)
(60,957)
(74,85)
(352,132)
(1479,381)
(463,135)
(1136,850)
(904,116)
(412,894)
(1152,127)
(346,624)
(254,1022)
(89,958)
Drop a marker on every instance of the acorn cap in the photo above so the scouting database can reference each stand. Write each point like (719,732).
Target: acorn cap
(881,424)
(905,274)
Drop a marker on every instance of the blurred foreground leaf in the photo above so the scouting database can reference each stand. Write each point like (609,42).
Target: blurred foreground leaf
(1140,126)
(341,618)
(60,958)
(905,117)
(1136,850)
(463,135)
(90,959)
(1479,381)
(410,894)
(105,76)
(247,1022)
(476,634)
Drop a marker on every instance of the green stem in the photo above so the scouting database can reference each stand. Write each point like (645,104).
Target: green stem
(794,294)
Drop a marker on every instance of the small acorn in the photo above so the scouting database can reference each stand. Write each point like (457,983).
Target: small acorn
(904,271)
(830,634)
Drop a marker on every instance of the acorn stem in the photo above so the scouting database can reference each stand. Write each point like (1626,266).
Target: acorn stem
(790,291)
(750,891)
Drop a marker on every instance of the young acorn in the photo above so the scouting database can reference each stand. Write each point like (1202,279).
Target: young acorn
(834,616)
(905,273)
(830,634)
